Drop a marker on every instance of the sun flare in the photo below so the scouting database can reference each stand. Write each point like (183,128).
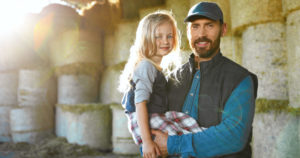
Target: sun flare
(12,13)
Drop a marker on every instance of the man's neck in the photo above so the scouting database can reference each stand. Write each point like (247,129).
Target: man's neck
(198,59)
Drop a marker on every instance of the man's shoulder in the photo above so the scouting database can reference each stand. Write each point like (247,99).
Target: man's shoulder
(236,70)
(232,66)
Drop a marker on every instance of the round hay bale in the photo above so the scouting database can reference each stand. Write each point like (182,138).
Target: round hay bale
(237,49)
(268,131)
(77,89)
(117,45)
(122,140)
(60,122)
(109,85)
(36,88)
(59,18)
(226,47)
(88,124)
(254,12)
(293,51)
(76,46)
(272,71)
(5,134)
(9,87)
(54,20)
(31,124)
(101,17)
(290,6)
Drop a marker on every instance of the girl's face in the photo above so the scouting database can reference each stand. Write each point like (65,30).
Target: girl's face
(164,39)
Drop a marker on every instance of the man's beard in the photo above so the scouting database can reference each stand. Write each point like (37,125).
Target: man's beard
(207,53)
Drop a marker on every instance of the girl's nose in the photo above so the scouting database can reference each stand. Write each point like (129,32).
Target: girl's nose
(165,39)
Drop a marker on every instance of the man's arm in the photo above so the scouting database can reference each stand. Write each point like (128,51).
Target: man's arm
(230,136)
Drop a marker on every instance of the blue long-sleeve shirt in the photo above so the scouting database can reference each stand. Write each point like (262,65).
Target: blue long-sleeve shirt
(229,136)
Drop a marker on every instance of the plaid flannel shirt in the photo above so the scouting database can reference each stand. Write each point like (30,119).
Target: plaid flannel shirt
(173,122)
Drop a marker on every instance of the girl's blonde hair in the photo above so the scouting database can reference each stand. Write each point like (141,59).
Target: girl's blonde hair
(144,46)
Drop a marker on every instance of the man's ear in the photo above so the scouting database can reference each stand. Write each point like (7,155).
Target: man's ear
(224,29)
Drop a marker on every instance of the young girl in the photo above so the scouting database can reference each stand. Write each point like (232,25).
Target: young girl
(144,84)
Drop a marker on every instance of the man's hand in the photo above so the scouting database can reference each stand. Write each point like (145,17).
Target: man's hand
(161,140)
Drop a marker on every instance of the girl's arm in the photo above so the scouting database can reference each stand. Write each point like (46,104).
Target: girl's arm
(150,149)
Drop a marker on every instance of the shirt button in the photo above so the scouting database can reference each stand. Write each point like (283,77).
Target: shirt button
(192,94)
(197,76)
(186,112)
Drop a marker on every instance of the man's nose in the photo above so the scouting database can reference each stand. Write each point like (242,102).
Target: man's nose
(202,32)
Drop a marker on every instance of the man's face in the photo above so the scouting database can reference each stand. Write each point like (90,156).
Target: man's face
(204,37)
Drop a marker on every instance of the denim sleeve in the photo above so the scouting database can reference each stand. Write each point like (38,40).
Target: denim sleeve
(230,136)
(144,77)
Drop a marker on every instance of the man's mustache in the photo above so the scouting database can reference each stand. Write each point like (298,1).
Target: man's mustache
(204,39)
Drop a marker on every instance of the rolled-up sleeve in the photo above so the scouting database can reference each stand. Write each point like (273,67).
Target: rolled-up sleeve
(144,77)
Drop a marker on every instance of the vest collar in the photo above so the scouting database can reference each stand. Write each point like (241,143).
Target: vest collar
(205,65)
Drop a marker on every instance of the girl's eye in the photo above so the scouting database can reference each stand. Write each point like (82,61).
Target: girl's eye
(158,37)
(170,36)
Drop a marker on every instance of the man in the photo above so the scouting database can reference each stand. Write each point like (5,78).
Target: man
(214,90)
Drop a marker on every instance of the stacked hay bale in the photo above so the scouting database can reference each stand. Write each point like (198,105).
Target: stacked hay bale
(122,139)
(8,101)
(17,52)
(33,120)
(76,59)
(117,44)
(116,53)
(78,81)
(291,10)
(86,124)
(262,29)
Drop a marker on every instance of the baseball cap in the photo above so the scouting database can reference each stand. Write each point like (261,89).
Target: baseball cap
(205,9)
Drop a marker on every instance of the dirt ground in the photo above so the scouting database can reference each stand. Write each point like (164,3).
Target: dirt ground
(53,147)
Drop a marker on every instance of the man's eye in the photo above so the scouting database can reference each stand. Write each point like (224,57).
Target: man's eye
(194,26)
(210,25)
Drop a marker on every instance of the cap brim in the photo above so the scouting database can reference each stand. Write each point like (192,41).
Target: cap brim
(195,16)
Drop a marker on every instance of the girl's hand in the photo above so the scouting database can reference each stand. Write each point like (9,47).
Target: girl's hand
(150,150)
